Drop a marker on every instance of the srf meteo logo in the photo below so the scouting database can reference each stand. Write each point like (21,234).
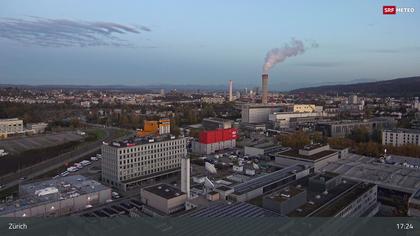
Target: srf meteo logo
(392,10)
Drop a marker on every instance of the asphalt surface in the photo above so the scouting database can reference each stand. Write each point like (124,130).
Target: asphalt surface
(85,151)
(21,144)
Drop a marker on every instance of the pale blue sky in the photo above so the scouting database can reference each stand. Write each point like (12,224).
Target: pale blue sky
(210,42)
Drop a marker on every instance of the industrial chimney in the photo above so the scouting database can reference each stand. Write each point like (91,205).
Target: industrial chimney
(264,88)
(185,175)
(230,91)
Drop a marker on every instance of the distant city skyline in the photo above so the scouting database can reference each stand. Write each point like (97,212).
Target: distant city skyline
(138,43)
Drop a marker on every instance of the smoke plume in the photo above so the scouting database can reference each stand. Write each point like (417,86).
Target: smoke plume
(277,55)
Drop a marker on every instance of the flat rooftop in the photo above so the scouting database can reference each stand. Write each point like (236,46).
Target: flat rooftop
(260,105)
(224,188)
(314,157)
(43,192)
(263,145)
(339,204)
(368,169)
(238,209)
(267,179)
(416,195)
(402,130)
(285,194)
(326,176)
(218,119)
(164,190)
(317,200)
(310,147)
(135,141)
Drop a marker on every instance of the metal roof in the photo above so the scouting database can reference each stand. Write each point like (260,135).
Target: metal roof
(265,180)
(239,209)
(368,169)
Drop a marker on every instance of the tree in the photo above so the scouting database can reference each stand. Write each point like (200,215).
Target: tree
(340,143)
(296,140)
(359,135)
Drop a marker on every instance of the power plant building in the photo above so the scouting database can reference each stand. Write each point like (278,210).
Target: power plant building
(259,113)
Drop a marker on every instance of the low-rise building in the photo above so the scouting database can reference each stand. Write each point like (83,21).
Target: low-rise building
(260,185)
(261,149)
(56,197)
(37,128)
(213,123)
(10,127)
(414,204)
(315,155)
(332,196)
(164,198)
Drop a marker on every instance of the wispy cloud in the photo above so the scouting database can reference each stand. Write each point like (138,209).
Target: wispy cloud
(66,33)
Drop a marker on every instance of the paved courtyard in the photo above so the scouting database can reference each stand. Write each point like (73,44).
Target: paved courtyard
(17,145)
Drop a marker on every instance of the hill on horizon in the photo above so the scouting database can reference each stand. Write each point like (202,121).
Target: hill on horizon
(409,86)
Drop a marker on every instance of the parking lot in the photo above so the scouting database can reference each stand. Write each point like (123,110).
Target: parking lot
(21,144)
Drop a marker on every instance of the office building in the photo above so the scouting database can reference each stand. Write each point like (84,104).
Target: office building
(287,120)
(213,100)
(56,197)
(129,163)
(345,127)
(398,137)
(306,108)
(10,127)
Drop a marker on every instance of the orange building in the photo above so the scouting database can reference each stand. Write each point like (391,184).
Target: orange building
(153,127)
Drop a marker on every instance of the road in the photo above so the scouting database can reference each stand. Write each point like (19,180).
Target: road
(41,168)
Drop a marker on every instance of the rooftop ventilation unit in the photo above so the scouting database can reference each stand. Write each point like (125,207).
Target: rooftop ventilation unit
(285,195)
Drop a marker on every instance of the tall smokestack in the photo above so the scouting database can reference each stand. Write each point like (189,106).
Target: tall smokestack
(230,91)
(264,98)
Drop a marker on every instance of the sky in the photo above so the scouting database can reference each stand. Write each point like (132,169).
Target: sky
(180,42)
